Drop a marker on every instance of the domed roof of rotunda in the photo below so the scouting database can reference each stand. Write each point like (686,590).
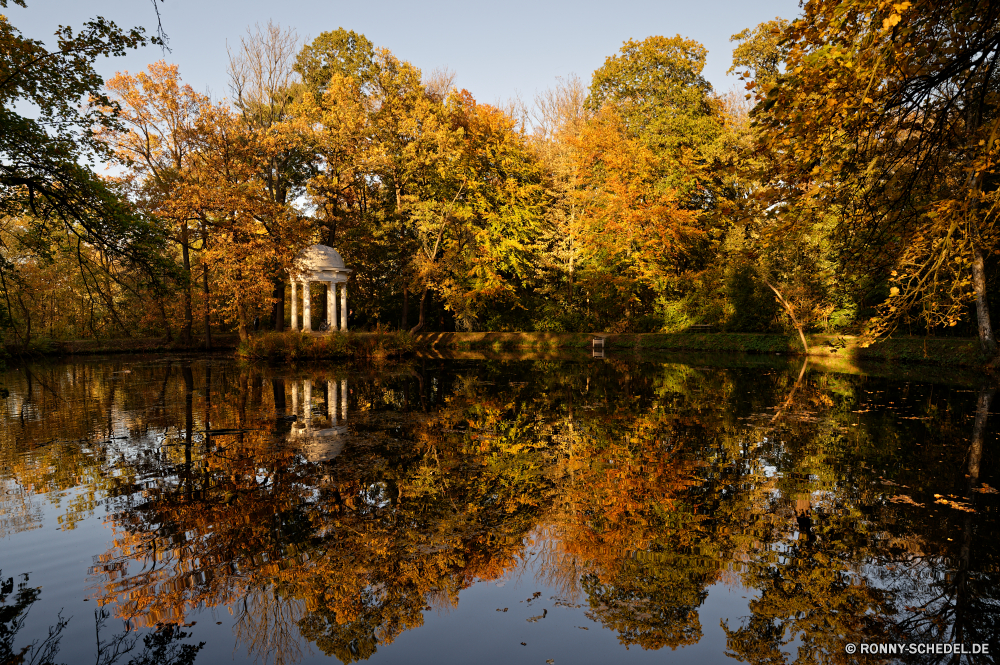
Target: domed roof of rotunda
(317,258)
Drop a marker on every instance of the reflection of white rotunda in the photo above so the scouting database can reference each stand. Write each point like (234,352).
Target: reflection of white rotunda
(319,263)
(319,444)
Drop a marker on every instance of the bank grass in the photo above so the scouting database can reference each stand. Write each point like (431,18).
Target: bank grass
(381,344)
(294,346)
(43,346)
(957,352)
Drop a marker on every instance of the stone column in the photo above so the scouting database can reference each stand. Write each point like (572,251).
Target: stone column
(307,324)
(295,306)
(331,305)
(307,398)
(343,399)
(295,397)
(343,307)
(331,401)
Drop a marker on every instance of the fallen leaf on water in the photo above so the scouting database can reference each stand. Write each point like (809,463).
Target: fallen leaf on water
(905,498)
(957,506)
(986,489)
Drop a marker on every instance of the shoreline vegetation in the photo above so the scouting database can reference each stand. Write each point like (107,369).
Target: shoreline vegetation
(639,200)
(379,346)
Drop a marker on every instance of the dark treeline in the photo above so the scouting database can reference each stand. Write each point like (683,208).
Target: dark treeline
(852,186)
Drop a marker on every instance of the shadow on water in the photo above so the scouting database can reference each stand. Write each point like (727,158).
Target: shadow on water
(331,509)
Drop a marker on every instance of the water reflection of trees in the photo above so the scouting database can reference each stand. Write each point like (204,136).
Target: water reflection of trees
(389,493)
(162,646)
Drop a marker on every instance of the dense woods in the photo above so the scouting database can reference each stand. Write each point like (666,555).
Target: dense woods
(852,187)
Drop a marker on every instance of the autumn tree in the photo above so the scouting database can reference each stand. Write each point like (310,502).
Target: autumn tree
(338,52)
(760,52)
(638,234)
(414,145)
(657,88)
(557,119)
(480,214)
(346,84)
(264,86)
(886,113)
(255,234)
(420,187)
(46,183)
(646,187)
(230,173)
(157,119)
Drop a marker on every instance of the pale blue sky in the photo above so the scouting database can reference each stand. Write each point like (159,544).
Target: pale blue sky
(498,50)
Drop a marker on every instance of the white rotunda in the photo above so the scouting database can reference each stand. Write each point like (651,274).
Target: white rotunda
(319,263)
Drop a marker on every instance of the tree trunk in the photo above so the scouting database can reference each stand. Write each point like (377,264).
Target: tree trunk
(204,284)
(278,390)
(406,308)
(963,593)
(166,320)
(188,425)
(978,435)
(423,309)
(207,317)
(791,313)
(278,308)
(207,420)
(791,394)
(186,255)
(243,327)
(987,341)
(569,285)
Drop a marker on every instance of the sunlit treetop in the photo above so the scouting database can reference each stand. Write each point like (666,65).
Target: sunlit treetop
(339,51)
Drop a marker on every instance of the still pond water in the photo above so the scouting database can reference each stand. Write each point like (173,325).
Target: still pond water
(178,510)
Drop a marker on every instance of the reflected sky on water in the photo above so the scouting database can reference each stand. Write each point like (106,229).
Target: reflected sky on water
(185,510)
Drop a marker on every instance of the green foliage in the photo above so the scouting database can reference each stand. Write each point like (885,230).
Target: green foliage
(340,52)
(676,316)
(760,53)
(754,306)
(548,324)
(42,155)
(558,317)
(657,87)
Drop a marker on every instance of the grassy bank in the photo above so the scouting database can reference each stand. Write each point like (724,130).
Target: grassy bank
(292,346)
(133,345)
(950,352)
(935,351)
